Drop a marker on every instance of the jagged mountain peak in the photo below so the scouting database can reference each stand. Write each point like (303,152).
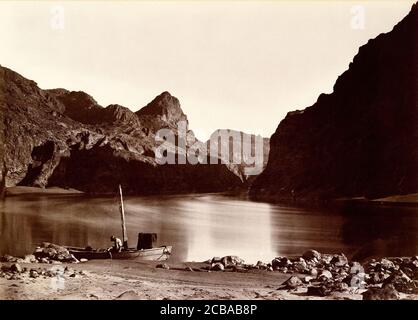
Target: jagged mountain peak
(166,107)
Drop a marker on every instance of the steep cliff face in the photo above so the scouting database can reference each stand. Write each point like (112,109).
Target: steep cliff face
(66,139)
(2,139)
(360,140)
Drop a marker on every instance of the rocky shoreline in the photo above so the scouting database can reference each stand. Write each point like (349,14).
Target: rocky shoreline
(313,275)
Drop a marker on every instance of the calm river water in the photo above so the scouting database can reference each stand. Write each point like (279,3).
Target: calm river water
(206,225)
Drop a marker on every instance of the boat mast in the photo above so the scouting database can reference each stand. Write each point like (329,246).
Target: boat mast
(122,215)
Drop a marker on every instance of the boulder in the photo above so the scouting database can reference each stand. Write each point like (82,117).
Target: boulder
(401,282)
(311,254)
(300,265)
(54,252)
(17,268)
(215,260)
(386,264)
(319,291)
(29,258)
(8,258)
(340,286)
(313,272)
(339,260)
(355,267)
(387,292)
(292,283)
(261,265)
(44,260)
(326,259)
(33,273)
(231,261)
(325,275)
(217,266)
(163,266)
(280,262)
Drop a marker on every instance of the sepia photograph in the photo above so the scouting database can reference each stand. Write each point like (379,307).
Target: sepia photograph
(209,151)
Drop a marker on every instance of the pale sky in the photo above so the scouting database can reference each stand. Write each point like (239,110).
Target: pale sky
(240,65)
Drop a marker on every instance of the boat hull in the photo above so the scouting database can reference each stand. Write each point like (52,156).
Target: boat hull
(153,254)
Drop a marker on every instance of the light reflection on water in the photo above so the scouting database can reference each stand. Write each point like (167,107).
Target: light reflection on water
(206,225)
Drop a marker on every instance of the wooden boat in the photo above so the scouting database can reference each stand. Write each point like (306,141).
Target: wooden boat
(155,254)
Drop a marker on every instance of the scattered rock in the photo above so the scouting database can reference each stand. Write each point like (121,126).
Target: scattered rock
(313,272)
(280,262)
(29,258)
(340,286)
(387,264)
(261,265)
(231,261)
(33,273)
(217,266)
(15,267)
(339,260)
(300,265)
(378,277)
(402,282)
(8,258)
(319,291)
(215,260)
(387,292)
(55,252)
(311,254)
(325,275)
(326,259)
(355,267)
(292,283)
(163,266)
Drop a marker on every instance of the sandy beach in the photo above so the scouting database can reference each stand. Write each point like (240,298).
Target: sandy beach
(125,280)
(109,280)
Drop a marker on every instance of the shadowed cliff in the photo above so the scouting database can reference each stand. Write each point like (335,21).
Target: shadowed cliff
(360,140)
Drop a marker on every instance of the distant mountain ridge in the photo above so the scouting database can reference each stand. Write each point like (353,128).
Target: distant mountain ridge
(360,140)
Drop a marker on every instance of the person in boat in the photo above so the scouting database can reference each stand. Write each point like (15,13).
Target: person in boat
(117,244)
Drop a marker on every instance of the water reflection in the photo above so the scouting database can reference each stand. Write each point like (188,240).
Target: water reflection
(202,226)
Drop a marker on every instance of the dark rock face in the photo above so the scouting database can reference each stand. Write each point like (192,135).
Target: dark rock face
(360,140)
(2,144)
(79,106)
(62,138)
